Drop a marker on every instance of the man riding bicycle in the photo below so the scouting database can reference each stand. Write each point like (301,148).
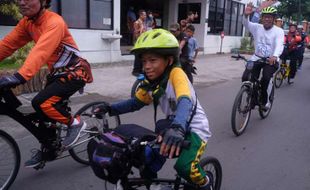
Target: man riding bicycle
(268,41)
(55,47)
(167,85)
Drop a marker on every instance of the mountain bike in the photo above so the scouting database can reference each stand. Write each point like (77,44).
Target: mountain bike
(132,157)
(9,160)
(32,122)
(282,74)
(136,84)
(247,98)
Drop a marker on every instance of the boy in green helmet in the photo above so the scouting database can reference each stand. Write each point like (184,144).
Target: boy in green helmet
(167,85)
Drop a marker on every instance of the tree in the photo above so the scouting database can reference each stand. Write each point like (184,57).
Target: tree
(290,9)
(9,8)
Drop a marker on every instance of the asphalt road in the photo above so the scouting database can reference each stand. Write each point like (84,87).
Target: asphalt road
(272,154)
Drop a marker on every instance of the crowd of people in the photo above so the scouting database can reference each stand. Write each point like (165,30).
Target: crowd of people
(183,31)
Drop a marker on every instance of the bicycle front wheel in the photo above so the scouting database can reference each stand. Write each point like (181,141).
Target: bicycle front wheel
(213,167)
(241,111)
(9,160)
(278,78)
(95,123)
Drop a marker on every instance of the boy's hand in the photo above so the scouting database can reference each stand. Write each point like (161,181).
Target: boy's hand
(171,141)
(102,108)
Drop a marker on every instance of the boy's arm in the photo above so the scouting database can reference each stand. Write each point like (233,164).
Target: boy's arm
(125,106)
(183,95)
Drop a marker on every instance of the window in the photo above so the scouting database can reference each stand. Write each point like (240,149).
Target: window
(216,16)
(75,13)
(84,14)
(101,14)
(226,15)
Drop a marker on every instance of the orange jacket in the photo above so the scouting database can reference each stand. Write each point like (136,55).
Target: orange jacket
(292,39)
(50,34)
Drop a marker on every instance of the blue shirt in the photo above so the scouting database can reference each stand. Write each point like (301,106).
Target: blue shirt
(192,47)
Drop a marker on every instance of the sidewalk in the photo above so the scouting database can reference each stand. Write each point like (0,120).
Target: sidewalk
(116,81)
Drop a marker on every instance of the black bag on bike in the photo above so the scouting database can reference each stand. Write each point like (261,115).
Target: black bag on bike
(107,156)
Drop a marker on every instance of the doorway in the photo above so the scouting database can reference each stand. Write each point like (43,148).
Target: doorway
(156,7)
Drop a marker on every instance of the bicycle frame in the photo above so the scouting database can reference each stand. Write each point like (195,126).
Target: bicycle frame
(8,107)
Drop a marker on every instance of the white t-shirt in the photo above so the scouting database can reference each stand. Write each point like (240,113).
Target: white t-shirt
(267,43)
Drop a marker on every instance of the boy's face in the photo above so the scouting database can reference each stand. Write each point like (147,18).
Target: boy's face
(154,65)
(189,33)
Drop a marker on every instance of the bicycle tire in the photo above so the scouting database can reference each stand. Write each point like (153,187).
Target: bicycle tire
(7,145)
(263,114)
(236,109)
(79,153)
(278,78)
(135,87)
(211,165)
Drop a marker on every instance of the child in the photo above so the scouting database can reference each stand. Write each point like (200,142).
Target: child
(188,57)
(167,85)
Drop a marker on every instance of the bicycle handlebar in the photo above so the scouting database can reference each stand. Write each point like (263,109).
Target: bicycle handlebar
(262,59)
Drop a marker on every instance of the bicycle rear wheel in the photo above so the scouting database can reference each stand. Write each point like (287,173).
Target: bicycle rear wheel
(9,160)
(278,78)
(241,111)
(213,167)
(94,123)
(263,114)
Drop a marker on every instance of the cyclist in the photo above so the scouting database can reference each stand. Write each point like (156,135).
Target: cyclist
(292,39)
(55,47)
(301,45)
(168,86)
(268,41)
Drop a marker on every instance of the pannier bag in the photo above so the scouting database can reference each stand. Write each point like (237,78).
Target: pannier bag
(108,157)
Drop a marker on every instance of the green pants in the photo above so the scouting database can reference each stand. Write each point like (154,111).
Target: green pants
(187,165)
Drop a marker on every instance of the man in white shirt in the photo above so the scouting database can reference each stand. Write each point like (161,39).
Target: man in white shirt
(268,41)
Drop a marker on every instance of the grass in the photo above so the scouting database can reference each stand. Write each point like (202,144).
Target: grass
(8,64)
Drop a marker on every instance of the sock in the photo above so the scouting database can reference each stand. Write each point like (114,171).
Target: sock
(75,122)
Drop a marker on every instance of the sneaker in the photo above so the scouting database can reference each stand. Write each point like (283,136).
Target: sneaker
(266,107)
(35,159)
(73,134)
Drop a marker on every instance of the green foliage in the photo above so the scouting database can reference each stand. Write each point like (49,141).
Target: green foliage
(10,9)
(290,9)
(18,58)
(246,44)
(8,64)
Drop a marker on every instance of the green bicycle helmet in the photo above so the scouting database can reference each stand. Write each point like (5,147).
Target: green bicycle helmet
(157,41)
(269,10)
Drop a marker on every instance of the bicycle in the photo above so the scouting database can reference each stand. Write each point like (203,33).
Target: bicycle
(282,74)
(137,84)
(9,160)
(135,142)
(247,98)
(31,121)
